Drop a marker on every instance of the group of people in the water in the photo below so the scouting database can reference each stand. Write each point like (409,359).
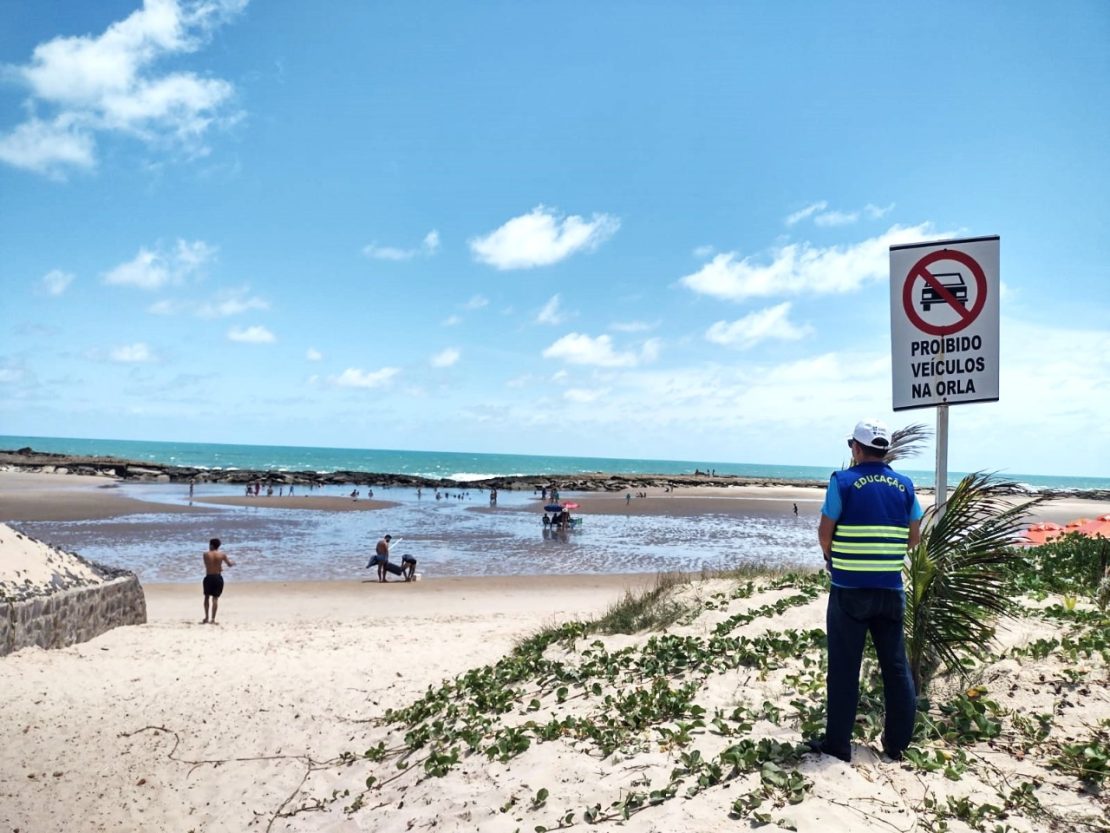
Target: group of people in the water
(559,520)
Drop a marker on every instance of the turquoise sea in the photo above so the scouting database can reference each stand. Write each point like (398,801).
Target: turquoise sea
(461,466)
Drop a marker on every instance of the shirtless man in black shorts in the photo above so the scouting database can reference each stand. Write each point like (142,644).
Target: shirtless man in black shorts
(214,561)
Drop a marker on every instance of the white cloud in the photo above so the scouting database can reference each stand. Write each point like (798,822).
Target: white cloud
(550,313)
(831,219)
(452,321)
(542,237)
(808,211)
(231,302)
(355,378)
(251,335)
(386,252)
(167,306)
(137,353)
(428,247)
(314,355)
(446,357)
(192,257)
(836,218)
(582,395)
(48,147)
(578,348)
(55,282)
(108,84)
(158,268)
(476,302)
(10,375)
(145,271)
(702,252)
(763,325)
(797,269)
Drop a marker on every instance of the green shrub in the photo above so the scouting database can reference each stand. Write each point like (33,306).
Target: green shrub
(1073,564)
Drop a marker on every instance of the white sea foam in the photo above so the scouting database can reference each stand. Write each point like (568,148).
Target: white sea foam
(467,476)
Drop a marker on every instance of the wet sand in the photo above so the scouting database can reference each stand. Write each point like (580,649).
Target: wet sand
(69,497)
(315,503)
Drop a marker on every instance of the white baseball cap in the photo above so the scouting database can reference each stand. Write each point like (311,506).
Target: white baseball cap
(872,433)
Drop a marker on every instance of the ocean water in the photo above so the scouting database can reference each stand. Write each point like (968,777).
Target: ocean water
(461,466)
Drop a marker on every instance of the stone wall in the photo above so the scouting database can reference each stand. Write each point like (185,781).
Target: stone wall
(70,616)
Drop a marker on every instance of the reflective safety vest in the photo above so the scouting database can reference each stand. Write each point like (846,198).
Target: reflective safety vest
(871,534)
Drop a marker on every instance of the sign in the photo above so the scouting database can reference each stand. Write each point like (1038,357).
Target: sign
(944,322)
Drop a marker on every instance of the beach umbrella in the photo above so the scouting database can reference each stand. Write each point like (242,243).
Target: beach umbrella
(1098,528)
(1076,525)
(553,507)
(1038,534)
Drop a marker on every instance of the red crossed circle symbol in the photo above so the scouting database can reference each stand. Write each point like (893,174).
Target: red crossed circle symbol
(921,270)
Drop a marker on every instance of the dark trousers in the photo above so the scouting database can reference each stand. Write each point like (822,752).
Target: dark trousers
(852,614)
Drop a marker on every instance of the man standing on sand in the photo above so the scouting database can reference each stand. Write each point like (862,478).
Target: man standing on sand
(381,556)
(214,561)
(868,521)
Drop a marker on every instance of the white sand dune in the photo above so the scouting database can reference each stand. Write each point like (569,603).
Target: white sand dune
(246,726)
(32,568)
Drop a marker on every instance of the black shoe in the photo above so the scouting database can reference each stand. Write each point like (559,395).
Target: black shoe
(894,755)
(818,747)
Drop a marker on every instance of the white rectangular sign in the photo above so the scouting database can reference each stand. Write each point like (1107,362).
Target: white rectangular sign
(944,322)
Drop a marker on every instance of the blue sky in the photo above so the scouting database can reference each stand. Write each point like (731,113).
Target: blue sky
(624,229)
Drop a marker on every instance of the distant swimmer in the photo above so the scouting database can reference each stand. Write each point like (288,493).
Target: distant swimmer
(795,510)
(214,562)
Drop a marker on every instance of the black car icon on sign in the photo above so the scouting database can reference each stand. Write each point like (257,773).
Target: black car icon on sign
(951,281)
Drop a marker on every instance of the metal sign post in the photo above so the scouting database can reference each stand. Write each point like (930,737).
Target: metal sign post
(942,460)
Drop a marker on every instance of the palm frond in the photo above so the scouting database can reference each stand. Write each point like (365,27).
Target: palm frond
(907,442)
(955,577)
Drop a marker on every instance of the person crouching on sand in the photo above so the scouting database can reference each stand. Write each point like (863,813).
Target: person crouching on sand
(214,561)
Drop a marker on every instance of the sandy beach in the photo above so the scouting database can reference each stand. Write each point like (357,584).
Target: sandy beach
(291,672)
(261,722)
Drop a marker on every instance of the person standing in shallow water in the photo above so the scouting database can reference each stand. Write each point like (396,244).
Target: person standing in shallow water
(381,557)
(869,520)
(214,562)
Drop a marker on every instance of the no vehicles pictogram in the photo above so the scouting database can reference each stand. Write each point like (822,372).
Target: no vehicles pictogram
(944,289)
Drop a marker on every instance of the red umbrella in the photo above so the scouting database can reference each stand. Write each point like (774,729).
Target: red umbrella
(1038,534)
(1098,528)
(569,505)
